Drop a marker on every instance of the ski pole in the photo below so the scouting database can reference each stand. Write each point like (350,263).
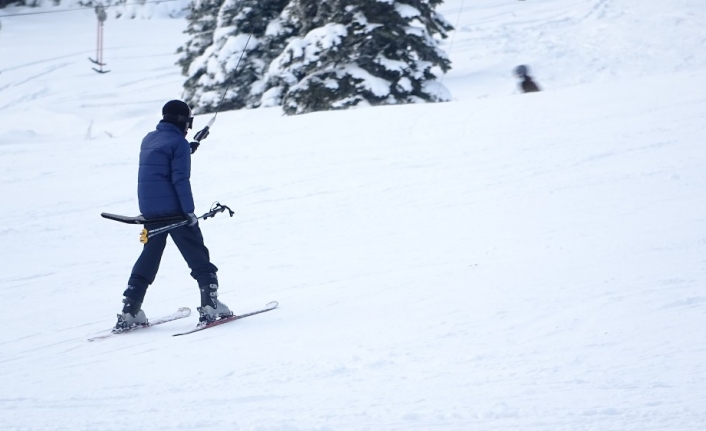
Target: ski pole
(215,209)
(147,234)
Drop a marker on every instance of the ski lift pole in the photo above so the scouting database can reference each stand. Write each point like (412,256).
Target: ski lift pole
(99,41)
(215,209)
(101,16)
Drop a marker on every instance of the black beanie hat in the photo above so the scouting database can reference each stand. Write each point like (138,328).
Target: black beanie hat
(177,112)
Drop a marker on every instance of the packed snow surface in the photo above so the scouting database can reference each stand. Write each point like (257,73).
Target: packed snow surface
(498,262)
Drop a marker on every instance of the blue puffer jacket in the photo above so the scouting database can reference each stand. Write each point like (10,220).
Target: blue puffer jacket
(163,186)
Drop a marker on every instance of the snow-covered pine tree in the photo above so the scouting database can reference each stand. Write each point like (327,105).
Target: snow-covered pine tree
(362,51)
(4,3)
(240,23)
(201,25)
(297,18)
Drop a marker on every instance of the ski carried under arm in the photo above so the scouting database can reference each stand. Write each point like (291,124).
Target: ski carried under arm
(270,306)
(140,219)
(170,222)
(180,314)
(216,208)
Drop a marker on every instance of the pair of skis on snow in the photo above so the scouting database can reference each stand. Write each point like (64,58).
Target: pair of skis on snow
(182,313)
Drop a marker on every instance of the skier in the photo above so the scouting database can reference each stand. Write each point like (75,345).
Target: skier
(163,190)
(527,85)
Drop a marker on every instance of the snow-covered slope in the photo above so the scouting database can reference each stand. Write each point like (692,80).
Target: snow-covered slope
(499,262)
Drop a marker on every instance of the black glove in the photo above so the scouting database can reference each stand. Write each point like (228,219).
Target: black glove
(201,134)
(194,146)
(193,220)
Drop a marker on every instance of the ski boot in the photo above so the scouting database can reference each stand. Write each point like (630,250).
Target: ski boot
(131,316)
(211,308)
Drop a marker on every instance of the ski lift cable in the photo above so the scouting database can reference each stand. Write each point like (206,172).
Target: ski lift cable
(458,19)
(84,7)
(203,133)
(453,36)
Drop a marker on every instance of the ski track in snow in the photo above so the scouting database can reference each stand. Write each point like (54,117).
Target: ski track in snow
(500,262)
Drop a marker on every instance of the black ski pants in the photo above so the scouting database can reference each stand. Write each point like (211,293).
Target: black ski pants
(189,241)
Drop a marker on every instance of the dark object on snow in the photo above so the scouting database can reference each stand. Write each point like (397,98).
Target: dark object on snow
(527,85)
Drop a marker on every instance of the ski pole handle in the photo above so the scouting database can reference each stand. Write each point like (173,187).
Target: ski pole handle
(203,133)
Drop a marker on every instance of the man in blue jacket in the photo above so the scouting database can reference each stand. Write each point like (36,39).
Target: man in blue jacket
(164,189)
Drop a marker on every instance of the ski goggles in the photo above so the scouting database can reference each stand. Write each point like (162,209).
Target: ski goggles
(179,119)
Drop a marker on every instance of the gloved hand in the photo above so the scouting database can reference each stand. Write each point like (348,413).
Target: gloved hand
(194,146)
(193,220)
(201,134)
